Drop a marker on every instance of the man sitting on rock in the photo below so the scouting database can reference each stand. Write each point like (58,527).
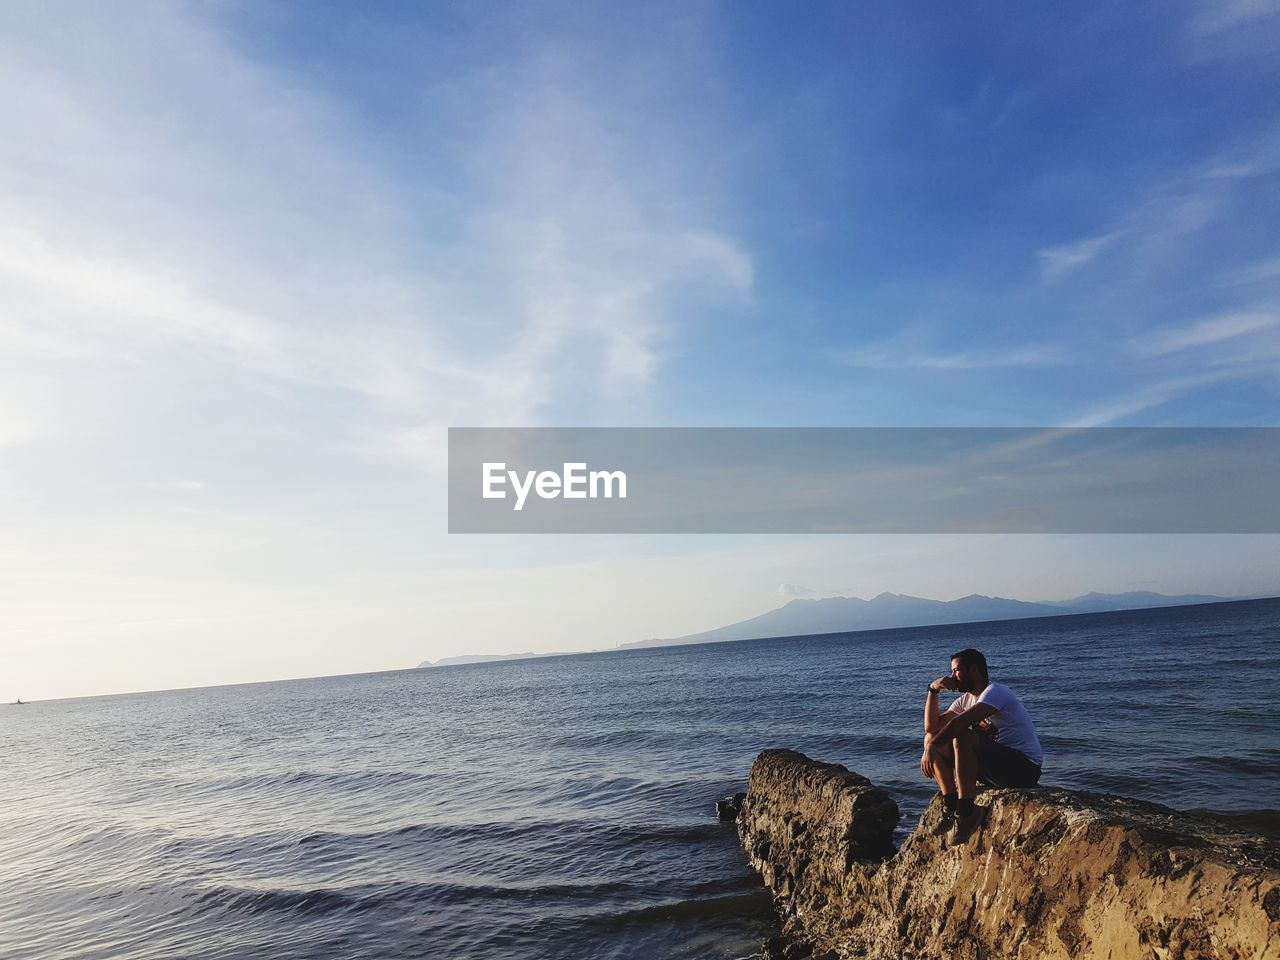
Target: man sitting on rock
(984,735)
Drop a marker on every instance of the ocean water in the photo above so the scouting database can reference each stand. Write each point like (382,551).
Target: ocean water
(560,808)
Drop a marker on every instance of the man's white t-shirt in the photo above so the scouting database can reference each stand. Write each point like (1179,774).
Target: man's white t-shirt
(1013,726)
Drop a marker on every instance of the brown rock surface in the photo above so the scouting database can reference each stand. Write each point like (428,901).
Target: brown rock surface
(1047,873)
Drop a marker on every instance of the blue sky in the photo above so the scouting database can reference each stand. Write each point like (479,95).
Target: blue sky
(255,258)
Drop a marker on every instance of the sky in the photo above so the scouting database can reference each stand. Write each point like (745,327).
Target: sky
(256,258)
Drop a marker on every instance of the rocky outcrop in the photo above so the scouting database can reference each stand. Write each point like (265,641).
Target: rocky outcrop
(1046,874)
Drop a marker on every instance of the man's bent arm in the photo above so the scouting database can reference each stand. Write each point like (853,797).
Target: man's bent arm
(951,728)
(932,719)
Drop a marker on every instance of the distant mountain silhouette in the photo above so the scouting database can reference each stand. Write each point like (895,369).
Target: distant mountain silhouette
(890,610)
(1133,600)
(481,658)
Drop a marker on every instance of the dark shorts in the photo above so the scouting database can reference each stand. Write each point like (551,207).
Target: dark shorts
(1000,766)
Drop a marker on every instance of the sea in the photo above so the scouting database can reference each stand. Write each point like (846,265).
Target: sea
(563,807)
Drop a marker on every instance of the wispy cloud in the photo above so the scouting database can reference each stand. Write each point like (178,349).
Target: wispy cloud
(1260,271)
(1215,16)
(1152,396)
(1152,234)
(1254,159)
(793,590)
(1208,331)
(186,486)
(19,426)
(1056,262)
(1234,171)
(169,203)
(1226,30)
(889,357)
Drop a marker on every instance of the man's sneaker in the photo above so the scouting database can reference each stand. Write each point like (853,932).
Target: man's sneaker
(964,826)
(946,823)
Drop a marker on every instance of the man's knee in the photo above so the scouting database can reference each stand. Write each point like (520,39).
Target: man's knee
(940,751)
(938,756)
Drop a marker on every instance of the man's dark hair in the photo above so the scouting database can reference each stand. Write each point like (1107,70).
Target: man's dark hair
(970,658)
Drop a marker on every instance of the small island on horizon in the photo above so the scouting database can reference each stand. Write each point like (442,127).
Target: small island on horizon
(887,611)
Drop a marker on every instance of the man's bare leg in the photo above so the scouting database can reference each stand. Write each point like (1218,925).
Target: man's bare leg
(966,775)
(966,764)
(941,768)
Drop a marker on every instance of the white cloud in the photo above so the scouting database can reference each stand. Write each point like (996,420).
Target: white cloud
(891,358)
(1260,271)
(1056,262)
(100,297)
(792,589)
(213,272)
(1208,331)
(186,486)
(169,204)
(1245,161)
(18,427)
(1229,30)
(1153,396)
(1234,171)
(1149,237)
(1215,16)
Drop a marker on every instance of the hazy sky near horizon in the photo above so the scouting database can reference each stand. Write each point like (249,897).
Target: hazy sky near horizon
(255,258)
